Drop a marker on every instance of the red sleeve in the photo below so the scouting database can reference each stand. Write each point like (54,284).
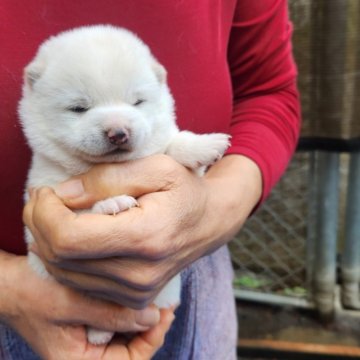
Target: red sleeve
(266,111)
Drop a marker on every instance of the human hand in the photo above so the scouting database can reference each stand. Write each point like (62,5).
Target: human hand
(51,318)
(129,257)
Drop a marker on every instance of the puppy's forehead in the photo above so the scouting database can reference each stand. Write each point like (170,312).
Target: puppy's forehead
(102,39)
(99,59)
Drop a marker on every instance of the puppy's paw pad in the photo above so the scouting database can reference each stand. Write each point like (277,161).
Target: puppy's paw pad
(114,205)
(99,337)
(125,202)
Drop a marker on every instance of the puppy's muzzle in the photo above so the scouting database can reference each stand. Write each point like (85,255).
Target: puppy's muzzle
(118,136)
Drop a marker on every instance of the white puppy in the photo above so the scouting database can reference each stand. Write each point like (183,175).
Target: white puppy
(97,94)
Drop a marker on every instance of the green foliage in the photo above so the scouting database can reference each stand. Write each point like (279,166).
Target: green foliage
(250,281)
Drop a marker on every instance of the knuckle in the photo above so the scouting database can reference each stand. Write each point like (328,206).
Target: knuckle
(43,192)
(146,281)
(132,300)
(153,251)
(118,322)
(138,300)
(57,245)
(61,243)
(143,300)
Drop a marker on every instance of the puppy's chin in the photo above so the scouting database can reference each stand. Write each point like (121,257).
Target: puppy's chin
(117,155)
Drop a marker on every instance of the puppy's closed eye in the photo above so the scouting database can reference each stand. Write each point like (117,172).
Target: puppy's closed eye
(139,102)
(78,109)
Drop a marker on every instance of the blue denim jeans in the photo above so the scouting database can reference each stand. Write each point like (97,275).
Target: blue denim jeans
(205,327)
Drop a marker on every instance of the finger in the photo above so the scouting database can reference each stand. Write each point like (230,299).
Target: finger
(146,344)
(129,271)
(133,178)
(104,315)
(42,215)
(124,292)
(136,280)
(28,213)
(61,233)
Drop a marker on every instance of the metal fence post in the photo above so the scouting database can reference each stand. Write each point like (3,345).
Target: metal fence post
(311,220)
(327,200)
(350,269)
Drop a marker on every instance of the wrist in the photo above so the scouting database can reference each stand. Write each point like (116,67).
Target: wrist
(9,265)
(235,188)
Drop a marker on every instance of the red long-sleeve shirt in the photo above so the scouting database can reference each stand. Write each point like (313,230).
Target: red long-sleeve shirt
(229,63)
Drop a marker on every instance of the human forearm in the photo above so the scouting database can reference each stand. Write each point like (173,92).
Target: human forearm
(266,107)
(235,186)
(7,268)
(266,129)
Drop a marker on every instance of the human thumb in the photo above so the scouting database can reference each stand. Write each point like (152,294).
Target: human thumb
(100,182)
(133,178)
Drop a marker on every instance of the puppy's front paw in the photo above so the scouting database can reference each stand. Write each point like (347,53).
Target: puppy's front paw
(114,205)
(212,147)
(208,149)
(198,151)
(99,337)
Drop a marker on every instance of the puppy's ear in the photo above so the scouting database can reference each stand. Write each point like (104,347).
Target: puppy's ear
(32,74)
(160,72)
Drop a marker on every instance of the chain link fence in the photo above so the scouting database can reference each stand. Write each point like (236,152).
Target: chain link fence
(269,253)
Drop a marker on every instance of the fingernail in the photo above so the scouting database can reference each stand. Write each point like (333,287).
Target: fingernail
(70,189)
(148,317)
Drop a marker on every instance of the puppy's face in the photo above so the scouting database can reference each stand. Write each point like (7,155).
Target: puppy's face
(97,94)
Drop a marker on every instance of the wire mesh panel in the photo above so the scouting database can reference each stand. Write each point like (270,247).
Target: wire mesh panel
(269,253)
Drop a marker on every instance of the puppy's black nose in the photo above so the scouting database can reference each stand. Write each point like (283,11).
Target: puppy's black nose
(118,136)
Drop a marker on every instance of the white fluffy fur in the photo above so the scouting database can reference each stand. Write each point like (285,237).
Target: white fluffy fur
(104,70)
